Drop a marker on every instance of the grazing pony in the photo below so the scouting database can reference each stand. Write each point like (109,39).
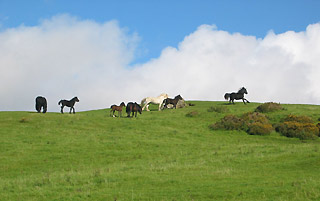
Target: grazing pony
(174,101)
(155,100)
(68,103)
(239,95)
(133,108)
(117,108)
(41,102)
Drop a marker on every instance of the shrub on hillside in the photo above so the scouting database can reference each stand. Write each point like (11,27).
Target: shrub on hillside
(301,127)
(229,122)
(251,117)
(218,109)
(258,128)
(192,114)
(303,131)
(256,123)
(269,107)
(300,119)
(253,123)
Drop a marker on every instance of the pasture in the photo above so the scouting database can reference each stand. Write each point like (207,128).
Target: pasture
(160,155)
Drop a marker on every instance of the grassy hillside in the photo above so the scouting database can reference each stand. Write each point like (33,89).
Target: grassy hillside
(156,156)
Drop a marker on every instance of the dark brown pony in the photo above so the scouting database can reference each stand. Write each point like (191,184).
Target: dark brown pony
(117,108)
(133,108)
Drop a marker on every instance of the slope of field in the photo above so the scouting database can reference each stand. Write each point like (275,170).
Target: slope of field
(157,156)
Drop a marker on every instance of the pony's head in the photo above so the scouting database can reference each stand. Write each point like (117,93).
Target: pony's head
(178,97)
(76,99)
(123,104)
(138,107)
(243,90)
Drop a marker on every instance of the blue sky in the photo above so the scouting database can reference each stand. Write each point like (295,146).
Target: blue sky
(106,52)
(165,23)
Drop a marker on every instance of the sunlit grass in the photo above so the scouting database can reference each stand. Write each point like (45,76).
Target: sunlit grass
(156,156)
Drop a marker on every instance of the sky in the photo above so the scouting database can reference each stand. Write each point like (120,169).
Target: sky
(106,52)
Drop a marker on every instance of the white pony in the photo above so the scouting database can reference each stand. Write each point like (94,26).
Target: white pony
(155,100)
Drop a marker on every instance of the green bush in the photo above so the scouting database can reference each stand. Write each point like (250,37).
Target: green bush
(258,128)
(192,114)
(218,109)
(256,123)
(300,119)
(253,123)
(301,127)
(252,117)
(229,122)
(303,131)
(269,107)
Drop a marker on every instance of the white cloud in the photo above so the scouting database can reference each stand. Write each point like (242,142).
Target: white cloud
(64,57)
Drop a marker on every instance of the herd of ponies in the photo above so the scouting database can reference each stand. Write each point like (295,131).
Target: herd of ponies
(133,107)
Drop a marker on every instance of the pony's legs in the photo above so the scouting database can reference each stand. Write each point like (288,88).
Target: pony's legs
(61,109)
(146,105)
(245,100)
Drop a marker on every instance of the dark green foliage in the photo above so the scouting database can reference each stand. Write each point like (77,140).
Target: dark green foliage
(253,123)
(303,131)
(258,128)
(301,127)
(218,109)
(300,119)
(269,107)
(229,122)
(192,114)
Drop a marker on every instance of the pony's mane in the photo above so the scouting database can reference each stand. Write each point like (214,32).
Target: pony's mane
(241,89)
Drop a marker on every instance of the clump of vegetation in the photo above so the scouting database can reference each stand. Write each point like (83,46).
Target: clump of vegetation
(24,120)
(253,123)
(300,119)
(269,107)
(192,114)
(256,123)
(229,122)
(300,127)
(218,109)
(258,128)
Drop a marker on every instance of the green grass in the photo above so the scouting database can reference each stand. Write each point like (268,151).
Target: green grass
(157,156)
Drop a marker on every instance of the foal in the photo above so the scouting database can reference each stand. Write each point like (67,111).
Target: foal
(68,103)
(117,108)
(174,101)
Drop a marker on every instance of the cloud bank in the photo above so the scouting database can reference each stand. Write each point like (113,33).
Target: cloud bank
(64,57)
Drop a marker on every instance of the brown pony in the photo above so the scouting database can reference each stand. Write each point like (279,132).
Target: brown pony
(117,108)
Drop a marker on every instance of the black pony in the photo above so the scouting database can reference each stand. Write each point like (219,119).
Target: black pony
(239,95)
(41,102)
(174,101)
(68,103)
(133,108)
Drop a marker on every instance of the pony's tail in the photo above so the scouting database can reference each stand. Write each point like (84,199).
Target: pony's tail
(227,96)
(143,101)
(59,102)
